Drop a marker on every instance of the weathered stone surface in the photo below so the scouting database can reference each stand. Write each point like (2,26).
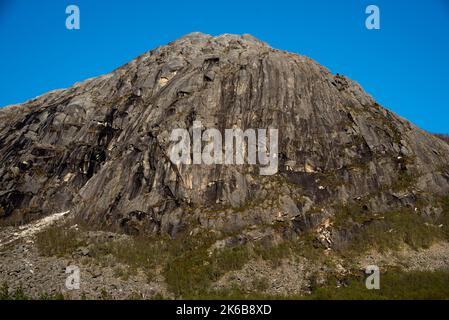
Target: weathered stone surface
(99,148)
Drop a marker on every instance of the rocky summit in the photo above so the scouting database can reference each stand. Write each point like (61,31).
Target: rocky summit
(349,170)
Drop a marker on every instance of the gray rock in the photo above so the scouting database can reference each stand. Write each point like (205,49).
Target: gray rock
(100,147)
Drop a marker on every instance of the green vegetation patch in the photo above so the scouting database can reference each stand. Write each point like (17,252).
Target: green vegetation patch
(388,230)
(191,268)
(58,241)
(394,285)
(19,294)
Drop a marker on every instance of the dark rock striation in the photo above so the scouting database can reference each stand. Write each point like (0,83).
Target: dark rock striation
(99,148)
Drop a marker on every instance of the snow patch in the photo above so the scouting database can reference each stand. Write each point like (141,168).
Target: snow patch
(29,230)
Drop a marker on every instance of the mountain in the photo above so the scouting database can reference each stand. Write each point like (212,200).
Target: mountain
(99,148)
(350,173)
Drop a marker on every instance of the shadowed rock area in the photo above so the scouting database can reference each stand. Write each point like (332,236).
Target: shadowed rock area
(99,148)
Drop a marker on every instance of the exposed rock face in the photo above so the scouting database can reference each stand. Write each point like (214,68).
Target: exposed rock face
(99,148)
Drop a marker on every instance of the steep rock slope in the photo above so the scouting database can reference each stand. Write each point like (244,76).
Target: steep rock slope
(99,148)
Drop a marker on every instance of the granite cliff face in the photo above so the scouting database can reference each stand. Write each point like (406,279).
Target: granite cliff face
(99,148)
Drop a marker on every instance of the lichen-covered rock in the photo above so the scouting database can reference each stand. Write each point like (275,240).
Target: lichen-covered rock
(99,148)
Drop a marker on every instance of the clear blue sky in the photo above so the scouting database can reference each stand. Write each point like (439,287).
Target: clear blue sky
(405,65)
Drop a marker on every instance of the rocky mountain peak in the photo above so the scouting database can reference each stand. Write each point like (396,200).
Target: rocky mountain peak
(100,148)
